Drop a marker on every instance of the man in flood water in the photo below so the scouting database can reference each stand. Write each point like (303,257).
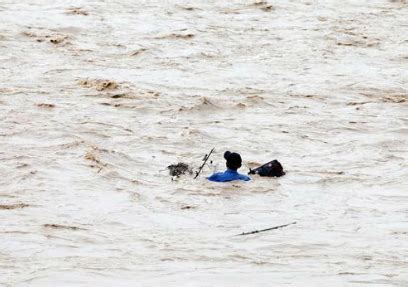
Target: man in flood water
(234,162)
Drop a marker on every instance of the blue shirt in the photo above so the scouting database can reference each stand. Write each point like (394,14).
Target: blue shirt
(228,175)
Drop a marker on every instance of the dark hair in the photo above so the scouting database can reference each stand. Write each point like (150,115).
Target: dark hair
(233,159)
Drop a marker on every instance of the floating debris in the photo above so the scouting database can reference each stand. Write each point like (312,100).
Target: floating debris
(59,226)
(179,169)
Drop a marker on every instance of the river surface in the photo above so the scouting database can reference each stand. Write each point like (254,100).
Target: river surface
(97,98)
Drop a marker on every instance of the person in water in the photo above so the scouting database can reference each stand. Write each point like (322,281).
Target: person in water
(234,162)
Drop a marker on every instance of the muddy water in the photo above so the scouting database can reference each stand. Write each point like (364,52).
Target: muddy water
(98,97)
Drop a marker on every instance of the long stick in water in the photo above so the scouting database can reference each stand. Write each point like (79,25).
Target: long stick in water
(206,157)
(267,229)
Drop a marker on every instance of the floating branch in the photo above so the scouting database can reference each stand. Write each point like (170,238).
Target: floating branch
(267,229)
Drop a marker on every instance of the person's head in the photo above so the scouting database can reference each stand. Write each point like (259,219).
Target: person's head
(233,159)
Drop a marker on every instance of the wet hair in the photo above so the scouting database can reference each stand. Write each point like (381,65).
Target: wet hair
(233,159)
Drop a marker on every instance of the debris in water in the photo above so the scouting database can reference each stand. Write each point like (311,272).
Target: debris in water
(179,169)
(59,226)
(267,229)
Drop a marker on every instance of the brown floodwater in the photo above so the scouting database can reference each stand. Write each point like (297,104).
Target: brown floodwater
(97,98)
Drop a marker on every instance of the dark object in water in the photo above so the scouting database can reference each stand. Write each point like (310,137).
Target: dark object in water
(179,169)
(270,169)
(267,229)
